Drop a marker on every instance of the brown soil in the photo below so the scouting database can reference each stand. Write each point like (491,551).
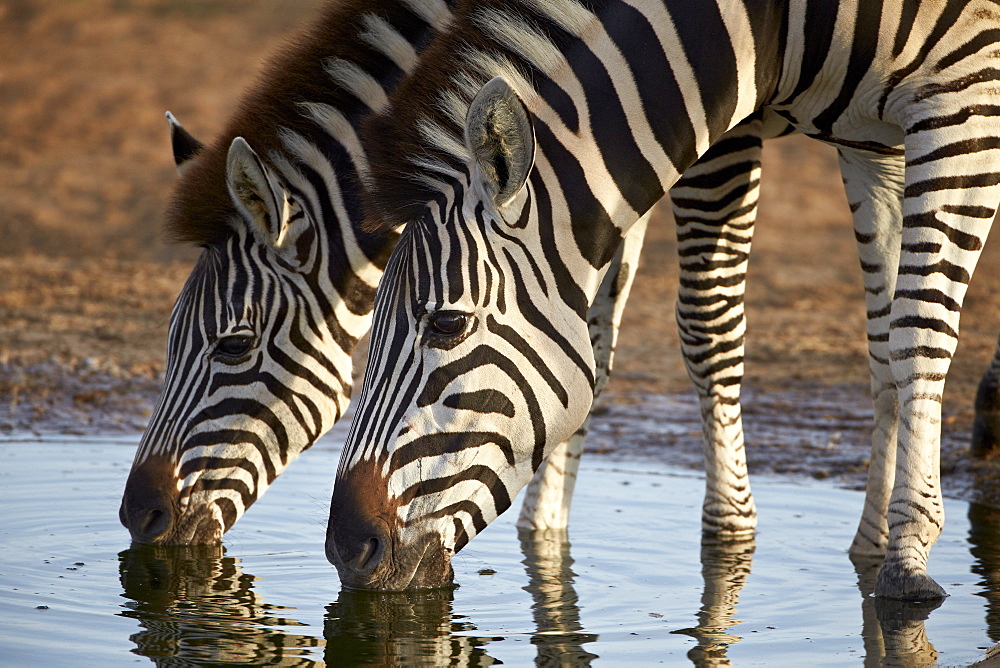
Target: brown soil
(86,286)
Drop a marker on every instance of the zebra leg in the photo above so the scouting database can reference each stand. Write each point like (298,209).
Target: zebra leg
(874,186)
(986,425)
(952,186)
(715,205)
(548,497)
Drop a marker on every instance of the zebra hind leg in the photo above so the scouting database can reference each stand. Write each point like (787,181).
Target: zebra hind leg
(874,186)
(986,425)
(952,186)
(549,495)
(715,205)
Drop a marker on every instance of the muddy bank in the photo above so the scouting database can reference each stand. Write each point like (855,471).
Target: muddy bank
(818,432)
(90,396)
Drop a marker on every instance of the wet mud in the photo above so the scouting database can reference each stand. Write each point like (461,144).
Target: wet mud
(815,432)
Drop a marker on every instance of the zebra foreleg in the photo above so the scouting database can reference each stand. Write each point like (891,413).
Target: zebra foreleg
(715,205)
(952,187)
(549,495)
(874,186)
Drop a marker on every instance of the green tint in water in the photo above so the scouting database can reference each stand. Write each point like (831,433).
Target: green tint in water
(637,587)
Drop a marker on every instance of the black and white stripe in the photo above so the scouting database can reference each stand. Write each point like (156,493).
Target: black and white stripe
(262,335)
(527,143)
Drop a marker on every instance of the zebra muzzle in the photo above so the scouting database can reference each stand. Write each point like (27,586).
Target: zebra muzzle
(367,543)
(358,549)
(368,560)
(151,510)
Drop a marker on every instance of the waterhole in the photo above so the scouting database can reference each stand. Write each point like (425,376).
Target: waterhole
(631,583)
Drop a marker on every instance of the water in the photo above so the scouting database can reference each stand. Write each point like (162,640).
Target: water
(632,584)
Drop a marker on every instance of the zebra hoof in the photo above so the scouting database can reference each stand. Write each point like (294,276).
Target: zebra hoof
(903,584)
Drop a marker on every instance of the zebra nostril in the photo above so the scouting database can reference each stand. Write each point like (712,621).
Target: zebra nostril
(367,557)
(155,523)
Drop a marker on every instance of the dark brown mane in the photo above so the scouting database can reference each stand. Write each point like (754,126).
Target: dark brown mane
(397,188)
(200,211)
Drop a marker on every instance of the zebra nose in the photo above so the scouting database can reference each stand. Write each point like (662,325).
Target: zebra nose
(149,502)
(146,517)
(361,530)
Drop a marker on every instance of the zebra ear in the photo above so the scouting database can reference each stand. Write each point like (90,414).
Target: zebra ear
(255,192)
(501,139)
(185,146)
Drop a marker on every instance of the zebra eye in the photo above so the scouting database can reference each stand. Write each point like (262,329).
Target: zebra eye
(448,323)
(236,345)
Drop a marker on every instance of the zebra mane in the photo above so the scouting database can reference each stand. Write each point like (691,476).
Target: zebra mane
(319,84)
(416,143)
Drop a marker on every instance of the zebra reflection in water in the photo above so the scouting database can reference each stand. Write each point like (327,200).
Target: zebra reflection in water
(725,567)
(559,634)
(893,631)
(386,628)
(984,536)
(380,627)
(197,605)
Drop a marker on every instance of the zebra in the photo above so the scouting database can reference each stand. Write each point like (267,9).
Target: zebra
(986,423)
(524,146)
(259,360)
(261,336)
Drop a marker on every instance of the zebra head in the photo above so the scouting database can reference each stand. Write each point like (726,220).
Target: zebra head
(480,362)
(258,359)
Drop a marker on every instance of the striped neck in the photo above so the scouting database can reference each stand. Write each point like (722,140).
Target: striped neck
(561,57)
